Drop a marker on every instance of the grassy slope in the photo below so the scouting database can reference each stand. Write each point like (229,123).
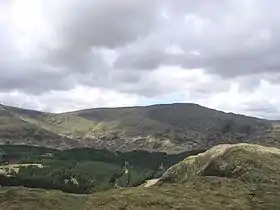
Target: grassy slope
(62,124)
(165,119)
(190,187)
(205,193)
(179,127)
(170,128)
(34,199)
(15,130)
(249,163)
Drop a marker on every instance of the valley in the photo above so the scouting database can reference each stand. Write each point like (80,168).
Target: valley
(241,176)
(81,171)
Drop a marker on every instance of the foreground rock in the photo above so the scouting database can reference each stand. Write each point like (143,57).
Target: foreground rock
(246,162)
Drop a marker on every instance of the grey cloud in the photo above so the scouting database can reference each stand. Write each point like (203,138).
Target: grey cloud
(104,23)
(76,61)
(237,39)
(263,109)
(147,60)
(125,76)
(234,39)
(34,79)
(81,31)
(98,24)
(210,87)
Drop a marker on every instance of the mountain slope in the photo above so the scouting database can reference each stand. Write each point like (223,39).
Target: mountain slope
(169,128)
(15,130)
(179,126)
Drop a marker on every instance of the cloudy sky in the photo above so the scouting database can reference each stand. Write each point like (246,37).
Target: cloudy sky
(73,54)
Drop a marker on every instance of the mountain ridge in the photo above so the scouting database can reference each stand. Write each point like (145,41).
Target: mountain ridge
(136,106)
(171,128)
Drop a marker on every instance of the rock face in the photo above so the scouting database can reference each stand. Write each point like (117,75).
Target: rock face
(245,162)
(168,128)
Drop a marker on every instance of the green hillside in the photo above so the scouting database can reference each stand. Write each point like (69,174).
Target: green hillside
(81,170)
(171,128)
(15,129)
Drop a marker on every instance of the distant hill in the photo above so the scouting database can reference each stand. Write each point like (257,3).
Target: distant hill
(167,128)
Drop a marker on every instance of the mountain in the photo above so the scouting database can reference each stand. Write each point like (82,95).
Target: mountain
(168,128)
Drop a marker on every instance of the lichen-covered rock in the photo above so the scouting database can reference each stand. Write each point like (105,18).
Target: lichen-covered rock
(248,162)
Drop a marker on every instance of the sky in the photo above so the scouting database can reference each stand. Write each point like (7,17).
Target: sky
(73,54)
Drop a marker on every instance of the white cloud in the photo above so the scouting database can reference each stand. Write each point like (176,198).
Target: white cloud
(70,54)
(261,102)
(78,98)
